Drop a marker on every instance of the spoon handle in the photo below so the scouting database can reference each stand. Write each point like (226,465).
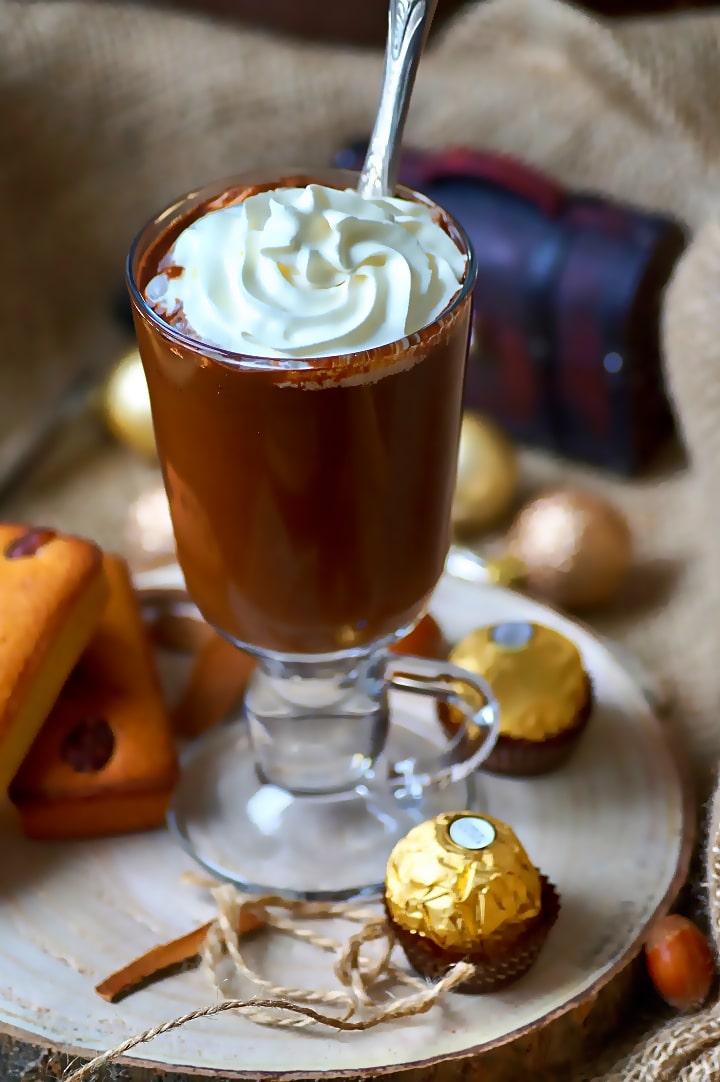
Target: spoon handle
(408,24)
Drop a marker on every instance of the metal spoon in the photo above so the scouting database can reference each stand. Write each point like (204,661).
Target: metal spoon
(408,25)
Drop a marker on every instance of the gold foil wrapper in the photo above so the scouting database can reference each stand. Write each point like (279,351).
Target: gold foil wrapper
(535,672)
(456,895)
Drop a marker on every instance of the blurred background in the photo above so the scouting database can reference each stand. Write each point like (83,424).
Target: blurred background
(364,24)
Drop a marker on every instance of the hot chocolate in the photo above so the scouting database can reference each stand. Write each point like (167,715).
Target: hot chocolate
(308,430)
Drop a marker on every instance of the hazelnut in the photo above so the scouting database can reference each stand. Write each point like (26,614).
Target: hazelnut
(680,962)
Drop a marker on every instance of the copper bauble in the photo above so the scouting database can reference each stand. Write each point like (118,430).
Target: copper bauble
(575,548)
(486,476)
(125,405)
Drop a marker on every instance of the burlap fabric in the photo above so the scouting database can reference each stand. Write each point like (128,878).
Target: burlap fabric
(108,111)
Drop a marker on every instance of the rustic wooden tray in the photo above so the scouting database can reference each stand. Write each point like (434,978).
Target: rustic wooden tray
(614,829)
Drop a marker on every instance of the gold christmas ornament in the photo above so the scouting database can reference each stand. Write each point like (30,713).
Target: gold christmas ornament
(125,405)
(486,476)
(573,549)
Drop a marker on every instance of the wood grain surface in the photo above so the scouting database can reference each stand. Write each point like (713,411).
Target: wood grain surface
(613,829)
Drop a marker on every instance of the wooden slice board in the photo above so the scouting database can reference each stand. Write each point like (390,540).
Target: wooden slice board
(614,829)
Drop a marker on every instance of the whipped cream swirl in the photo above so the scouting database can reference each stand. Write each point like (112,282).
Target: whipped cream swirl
(308,272)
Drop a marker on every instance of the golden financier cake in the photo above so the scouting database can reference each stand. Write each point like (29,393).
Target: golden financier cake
(53,590)
(461,888)
(542,689)
(104,762)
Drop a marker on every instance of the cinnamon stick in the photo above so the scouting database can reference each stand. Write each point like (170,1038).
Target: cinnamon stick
(165,960)
(178,632)
(217,682)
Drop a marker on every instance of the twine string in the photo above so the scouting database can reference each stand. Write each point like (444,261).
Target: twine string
(223,938)
(355,1007)
(685,1050)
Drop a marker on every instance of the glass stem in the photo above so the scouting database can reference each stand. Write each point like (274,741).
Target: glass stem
(317,729)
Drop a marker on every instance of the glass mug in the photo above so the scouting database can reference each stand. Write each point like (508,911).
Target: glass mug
(311,504)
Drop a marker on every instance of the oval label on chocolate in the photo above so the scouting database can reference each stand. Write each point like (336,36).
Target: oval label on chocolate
(471,832)
(513,636)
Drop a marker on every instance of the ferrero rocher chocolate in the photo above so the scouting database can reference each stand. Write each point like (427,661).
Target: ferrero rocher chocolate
(461,888)
(536,673)
(461,879)
(542,689)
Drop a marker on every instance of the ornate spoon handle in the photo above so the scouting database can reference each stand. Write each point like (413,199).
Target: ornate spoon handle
(408,24)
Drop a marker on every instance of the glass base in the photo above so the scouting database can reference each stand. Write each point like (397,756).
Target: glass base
(266,840)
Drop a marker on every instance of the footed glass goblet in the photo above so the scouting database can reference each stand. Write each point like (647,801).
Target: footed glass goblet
(311,502)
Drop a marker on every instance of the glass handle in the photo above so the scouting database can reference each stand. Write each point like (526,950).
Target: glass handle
(476,736)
